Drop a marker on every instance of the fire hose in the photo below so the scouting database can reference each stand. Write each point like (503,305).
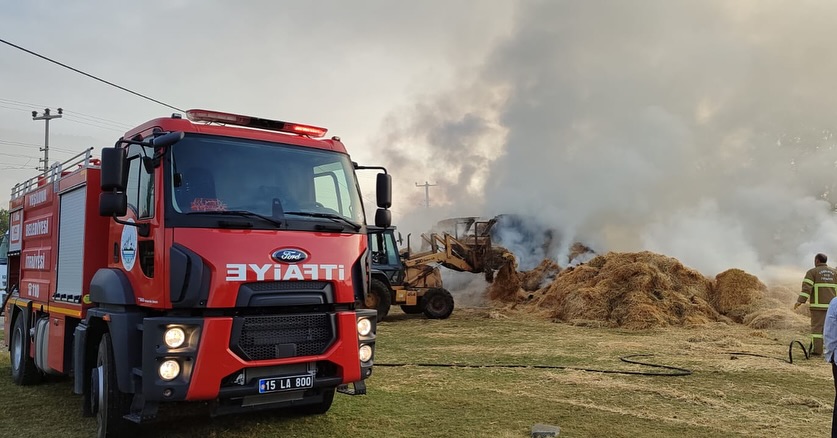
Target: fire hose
(805,352)
(672,370)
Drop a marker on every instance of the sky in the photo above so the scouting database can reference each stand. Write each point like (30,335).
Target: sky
(702,130)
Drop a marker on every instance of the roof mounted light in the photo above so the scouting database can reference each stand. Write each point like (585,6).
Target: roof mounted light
(197,115)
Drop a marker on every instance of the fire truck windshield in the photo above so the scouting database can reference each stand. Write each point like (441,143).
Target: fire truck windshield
(297,185)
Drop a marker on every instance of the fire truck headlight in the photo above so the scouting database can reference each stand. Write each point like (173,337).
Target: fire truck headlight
(169,369)
(365,353)
(174,337)
(364,327)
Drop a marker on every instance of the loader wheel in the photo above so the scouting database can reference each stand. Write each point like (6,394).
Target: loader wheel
(109,403)
(378,298)
(438,303)
(412,310)
(24,371)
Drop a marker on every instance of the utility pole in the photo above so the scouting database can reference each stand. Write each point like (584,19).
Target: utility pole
(46,117)
(427,187)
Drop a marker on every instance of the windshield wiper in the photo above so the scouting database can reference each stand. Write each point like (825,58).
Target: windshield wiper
(243,213)
(334,217)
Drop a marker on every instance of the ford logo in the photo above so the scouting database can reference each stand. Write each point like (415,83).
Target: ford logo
(289,255)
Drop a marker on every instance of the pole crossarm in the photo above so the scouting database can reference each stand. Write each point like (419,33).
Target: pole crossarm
(46,117)
(427,187)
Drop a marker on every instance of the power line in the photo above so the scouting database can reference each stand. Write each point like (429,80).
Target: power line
(13,108)
(17,155)
(95,119)
(111,128)
(20,144)
(29,105)
(19,103)
(89,75)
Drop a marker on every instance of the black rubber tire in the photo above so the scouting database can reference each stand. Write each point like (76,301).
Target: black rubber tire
(317,408)
(24,371)
(379,298)
(412,310)
(114,403)
(438,303)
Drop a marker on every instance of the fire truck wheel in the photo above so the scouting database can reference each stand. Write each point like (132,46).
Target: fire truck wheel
(110,404)
(378,298)
(438,303)
(24,371)
(317,408)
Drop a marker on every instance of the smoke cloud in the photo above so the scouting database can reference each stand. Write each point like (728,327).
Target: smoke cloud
(700,130)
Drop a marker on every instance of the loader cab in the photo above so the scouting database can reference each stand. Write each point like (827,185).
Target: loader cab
(385,258)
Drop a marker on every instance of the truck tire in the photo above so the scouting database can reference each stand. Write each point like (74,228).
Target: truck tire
(379,298)
(317,408)
(438,303)
(412,310)
(110,403)
(24,371)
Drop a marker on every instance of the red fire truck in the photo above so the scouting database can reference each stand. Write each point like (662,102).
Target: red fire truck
(220,258)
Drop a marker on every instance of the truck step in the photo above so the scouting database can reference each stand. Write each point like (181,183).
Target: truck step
(358,388)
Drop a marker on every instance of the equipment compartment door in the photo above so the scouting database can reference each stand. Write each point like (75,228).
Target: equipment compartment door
(71,244)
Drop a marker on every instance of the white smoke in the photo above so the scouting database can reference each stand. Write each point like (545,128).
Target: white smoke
(701,130)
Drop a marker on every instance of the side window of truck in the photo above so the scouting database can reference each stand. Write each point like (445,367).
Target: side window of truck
(330,188)
(140,188)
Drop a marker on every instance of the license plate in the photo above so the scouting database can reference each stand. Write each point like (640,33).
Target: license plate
(286,383)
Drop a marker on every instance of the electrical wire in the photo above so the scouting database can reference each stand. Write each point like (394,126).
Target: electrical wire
(80,122)
(89,75)
(27,106)
(12,143)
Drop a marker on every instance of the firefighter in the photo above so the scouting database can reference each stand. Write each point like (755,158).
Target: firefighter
(819,286)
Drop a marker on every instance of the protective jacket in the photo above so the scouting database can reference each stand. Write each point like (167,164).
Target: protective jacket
(819,286)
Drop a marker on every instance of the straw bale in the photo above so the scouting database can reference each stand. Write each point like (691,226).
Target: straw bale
(507,283)
(771,313)
(734,292)
(631,290)
(644,290)
(535,279)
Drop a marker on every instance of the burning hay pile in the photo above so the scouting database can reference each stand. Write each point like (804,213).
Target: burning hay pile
(639,291)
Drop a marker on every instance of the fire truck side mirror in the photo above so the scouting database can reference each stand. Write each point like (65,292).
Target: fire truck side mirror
(114,169)
(167,140)
(383,218)
(383,188)
(113,204)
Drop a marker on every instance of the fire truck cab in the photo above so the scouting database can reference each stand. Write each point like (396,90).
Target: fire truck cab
(219,258)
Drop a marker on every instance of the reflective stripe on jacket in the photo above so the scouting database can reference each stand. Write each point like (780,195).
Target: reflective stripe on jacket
(819,286)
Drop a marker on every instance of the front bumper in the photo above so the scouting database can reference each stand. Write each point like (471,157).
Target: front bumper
(213,366)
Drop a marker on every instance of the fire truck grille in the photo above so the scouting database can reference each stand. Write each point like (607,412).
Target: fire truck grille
(286,286)
(274,337)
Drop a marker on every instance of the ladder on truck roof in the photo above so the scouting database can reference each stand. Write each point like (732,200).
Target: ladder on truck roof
(55,172)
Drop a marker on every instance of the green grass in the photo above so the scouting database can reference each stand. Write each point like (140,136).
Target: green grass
(726,396)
